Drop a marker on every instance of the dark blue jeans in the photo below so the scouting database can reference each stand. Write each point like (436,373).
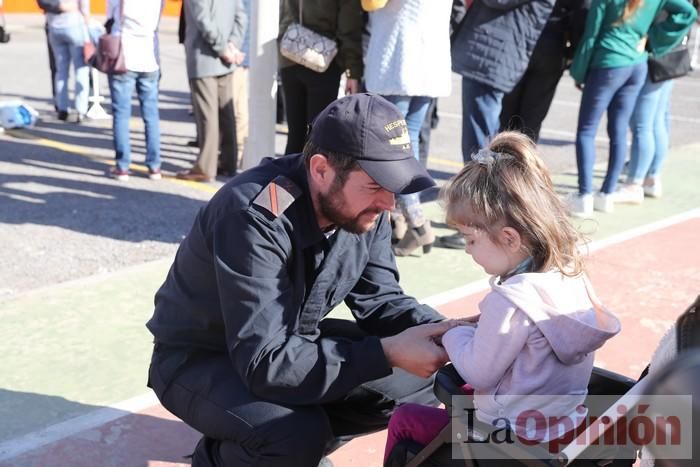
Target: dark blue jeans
(121,87)
(616,90)
(481,108)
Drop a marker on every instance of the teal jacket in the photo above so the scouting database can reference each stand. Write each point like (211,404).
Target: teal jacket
(609,43)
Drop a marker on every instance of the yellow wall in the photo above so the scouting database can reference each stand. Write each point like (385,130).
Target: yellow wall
(172,7)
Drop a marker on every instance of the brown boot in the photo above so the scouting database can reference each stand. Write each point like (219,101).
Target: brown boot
(415,237)
(398,226)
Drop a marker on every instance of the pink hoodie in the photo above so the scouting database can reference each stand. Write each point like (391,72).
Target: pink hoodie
(536,336)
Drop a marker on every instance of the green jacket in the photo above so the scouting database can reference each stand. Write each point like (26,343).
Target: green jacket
(340,20)
(609,43)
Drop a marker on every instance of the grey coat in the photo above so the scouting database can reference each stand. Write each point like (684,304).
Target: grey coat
(209,26)
(495,41)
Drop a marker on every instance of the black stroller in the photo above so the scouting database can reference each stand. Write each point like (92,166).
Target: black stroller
(468,445)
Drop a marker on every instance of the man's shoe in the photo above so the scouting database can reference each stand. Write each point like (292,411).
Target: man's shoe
(580,205)
(191,176)
(652,187)
(221,172)
(63,115)
(629,193)
(119,174)
(399,226)
(453,241)
(604,202)
(154,174)
(415,238)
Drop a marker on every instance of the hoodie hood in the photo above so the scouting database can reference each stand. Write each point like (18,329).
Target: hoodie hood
(561,308)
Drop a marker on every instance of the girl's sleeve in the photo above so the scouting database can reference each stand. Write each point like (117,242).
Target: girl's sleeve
(584,52)
(667,34)
(482,355)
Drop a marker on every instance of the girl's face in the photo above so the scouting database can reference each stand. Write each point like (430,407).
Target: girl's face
(496,257)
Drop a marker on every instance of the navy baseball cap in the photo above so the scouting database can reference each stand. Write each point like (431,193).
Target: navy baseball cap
(372,130)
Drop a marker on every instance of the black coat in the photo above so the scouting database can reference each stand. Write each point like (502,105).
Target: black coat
(495,40)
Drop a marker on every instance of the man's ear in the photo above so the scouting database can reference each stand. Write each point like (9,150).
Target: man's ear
(511,239)
(320,171)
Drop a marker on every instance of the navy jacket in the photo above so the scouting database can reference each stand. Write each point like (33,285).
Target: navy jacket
(495,40)
(253,278)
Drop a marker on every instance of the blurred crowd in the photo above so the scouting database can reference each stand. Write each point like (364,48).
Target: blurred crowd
(510,55)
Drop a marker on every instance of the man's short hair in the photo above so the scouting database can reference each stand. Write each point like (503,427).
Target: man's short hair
(343,164)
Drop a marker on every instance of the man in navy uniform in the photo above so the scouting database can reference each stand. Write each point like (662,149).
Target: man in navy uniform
(243,353)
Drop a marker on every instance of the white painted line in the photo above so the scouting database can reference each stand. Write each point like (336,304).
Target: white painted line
(53,433)
(37,439)
(644,229)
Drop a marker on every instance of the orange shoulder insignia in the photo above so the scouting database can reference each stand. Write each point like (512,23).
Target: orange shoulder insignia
(278,195)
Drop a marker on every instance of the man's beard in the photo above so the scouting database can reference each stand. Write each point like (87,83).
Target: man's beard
(331,206)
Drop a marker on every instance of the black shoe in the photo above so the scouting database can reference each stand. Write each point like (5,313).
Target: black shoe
(453,241)
(63,115)
(221,172)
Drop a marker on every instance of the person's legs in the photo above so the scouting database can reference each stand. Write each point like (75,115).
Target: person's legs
(425,130)
(147,91)
(619,112)
(206,114)
(419,233)
(60,45)
(661,130)
(419,423)
(510,118)
(295,107)
(601,84)
(240,107)
(642,124)
(481,108)
(120,89)
(52,66)
(322,89)
(542,77)
(227,124)
(82,70)
(240,429)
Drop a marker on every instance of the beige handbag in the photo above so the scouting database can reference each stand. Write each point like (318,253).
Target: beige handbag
(306,47)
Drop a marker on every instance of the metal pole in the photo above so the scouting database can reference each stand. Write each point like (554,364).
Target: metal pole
(264,22)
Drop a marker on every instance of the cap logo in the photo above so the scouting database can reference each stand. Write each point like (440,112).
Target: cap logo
(403,139)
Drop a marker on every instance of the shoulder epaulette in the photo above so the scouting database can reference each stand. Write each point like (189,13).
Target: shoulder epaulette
(278,195)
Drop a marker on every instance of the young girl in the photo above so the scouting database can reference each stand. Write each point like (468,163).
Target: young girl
(541,322)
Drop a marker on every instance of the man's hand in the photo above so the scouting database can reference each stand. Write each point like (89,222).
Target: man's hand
(232,55)
(417,349)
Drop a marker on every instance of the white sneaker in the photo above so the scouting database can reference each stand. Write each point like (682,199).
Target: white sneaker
(629,193)
(580,205)
(603,202)
(652,188)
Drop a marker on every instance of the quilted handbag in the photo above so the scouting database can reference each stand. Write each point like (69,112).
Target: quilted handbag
(673,64)
(306,47)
